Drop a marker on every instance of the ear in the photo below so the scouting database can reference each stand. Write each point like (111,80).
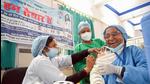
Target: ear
(45,49)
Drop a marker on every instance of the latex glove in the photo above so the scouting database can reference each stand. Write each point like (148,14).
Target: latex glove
(105,69)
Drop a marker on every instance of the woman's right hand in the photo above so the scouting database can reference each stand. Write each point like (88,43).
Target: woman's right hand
(90,61)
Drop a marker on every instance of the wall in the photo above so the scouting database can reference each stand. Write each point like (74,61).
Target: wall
(23,58)
(99,28)
(8,52)
(23,55)
(103,16)
(46,2)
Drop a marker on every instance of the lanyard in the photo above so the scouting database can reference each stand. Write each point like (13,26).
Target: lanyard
(124,57)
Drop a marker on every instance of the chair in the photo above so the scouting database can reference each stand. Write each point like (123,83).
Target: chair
(14,76)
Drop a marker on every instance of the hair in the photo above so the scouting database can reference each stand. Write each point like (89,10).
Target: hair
(49,40)
(110,27)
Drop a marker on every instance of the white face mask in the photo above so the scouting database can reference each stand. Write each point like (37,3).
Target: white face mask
(86,36)
(118,49)
(52,52)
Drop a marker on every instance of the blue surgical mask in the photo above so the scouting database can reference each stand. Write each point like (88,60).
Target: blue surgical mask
(52,52)
(120,46)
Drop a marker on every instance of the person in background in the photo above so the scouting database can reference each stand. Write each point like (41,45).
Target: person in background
(85,34)
(44,68)
(130,65)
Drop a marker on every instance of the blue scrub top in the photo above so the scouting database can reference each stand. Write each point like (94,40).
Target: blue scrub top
(135,64)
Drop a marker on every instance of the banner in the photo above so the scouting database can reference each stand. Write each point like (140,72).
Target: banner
(23,20)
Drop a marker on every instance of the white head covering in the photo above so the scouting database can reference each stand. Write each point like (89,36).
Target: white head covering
(82,25)
(38,45)
(121,29)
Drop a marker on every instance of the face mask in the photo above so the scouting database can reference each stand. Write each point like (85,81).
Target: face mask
(52,52)
(120,46)
(86,36)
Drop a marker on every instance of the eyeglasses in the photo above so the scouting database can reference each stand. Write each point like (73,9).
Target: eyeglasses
(106,36)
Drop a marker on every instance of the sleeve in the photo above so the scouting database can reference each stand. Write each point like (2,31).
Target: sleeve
(75,78)
(95,77)
(139,71)
(100,42)
(69,60)
(79,65)
(77,48)
(79,56)
(64,60)
(49,73)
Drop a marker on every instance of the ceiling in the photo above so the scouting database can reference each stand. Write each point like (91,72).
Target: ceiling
(130,10)
(128,13)
(127,10)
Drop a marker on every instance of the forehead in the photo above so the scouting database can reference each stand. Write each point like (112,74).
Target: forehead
(111,29)
(85,29)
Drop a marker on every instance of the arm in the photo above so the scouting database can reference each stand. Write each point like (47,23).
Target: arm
(63,61)
(74,58)
(77,77)
(48,73)
(84,73)
(95,76)
(79,66)
(139,71)
(79,56)
(69,60)
(135,73)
